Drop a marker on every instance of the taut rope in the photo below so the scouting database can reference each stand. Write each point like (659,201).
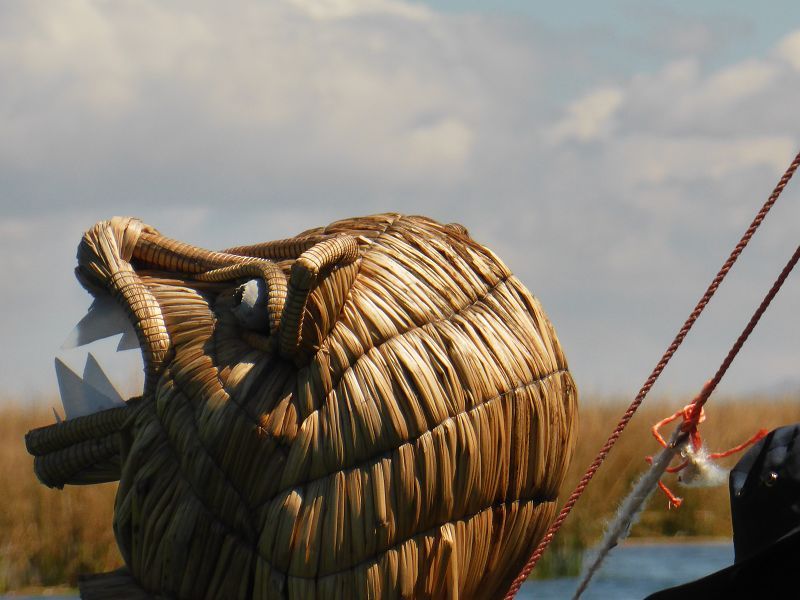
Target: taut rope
(633,504)
(648,384)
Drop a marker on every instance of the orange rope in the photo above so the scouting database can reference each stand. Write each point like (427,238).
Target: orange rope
(760,434)
(689,426)
(648,384)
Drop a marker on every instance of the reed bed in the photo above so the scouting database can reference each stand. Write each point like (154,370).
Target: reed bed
(48,536)
(705,512)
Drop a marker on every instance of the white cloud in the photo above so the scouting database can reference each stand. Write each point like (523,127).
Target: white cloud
(589,118)
(736,83)
(447,141)
(613,197)
(656,160)
(343,9)
(379,95)
(789,49)
(683,125)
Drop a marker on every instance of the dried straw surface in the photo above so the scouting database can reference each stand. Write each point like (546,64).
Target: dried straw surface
(398,428)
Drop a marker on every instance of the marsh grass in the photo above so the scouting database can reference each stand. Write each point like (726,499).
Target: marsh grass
(705,512)
(49,536)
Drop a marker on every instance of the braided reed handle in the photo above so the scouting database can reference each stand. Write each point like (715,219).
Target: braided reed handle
(206,265)
(80,450)
(104,256)
(306,272)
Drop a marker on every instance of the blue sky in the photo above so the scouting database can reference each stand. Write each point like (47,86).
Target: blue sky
(753,28)
(611,153)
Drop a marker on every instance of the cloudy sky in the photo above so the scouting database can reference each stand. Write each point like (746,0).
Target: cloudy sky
(611,157)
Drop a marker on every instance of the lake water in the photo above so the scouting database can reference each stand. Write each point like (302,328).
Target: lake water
(630,573)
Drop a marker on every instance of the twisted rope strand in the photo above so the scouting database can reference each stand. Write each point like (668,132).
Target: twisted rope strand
(648,384)
(751,325)
(684,432)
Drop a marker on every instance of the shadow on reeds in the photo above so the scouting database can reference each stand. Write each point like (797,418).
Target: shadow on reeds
(48,537)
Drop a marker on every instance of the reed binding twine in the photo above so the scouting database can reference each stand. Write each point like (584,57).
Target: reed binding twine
(398,426)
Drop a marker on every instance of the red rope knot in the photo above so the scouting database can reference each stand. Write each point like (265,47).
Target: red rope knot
(693,414)
(699,470)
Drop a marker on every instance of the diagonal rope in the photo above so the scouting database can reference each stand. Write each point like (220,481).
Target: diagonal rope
(709,387)
(648,384)
(635,501)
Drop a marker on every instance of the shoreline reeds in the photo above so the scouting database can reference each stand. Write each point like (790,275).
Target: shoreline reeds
(705,512)
(49,536)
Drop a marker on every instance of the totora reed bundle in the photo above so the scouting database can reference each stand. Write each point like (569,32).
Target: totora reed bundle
(373,409)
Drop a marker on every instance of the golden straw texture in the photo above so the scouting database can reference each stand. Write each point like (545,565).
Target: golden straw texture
(399,429)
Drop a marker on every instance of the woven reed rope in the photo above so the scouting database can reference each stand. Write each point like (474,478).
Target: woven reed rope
(399,429)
